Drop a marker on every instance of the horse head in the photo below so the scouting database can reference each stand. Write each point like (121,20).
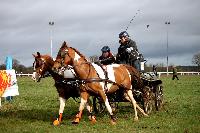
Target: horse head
(64,57)
(41,65)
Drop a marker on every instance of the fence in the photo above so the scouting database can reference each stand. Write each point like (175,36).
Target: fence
(159,73)
(181,73)
(22,74)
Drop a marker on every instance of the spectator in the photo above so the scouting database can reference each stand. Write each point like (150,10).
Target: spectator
(175,73)
(155,70)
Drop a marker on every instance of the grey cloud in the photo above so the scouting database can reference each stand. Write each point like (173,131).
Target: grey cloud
(89,25)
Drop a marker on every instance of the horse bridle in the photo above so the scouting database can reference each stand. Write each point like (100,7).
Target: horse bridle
(42,62)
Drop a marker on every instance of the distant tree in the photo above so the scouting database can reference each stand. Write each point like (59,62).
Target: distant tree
(18,67)
(16,63)
(94,58)
(2,67)
(196,59)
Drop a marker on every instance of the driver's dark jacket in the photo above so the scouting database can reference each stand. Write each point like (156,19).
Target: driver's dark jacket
(124,56)
(107,60)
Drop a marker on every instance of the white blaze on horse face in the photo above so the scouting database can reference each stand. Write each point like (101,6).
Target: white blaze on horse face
(62,104)
(76,57)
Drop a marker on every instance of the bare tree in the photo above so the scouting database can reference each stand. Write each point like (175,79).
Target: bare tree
(18,67)
(196,59)
(94,58)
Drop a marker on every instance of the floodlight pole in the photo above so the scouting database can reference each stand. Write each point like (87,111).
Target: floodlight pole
(167,23)
(51,23)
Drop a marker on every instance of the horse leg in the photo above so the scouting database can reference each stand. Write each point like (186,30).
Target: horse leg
(92,118)
(62,106)
(84,97)
(130,95)
(107,104)
(141,110)
(137,106)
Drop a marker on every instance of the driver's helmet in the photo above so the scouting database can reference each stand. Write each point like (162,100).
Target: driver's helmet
(123,34)
(105,49)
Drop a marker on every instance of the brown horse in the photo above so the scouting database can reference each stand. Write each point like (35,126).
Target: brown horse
(43,64)
(94,81)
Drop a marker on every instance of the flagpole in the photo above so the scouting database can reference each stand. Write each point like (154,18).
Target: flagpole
(51,23)
(167,23)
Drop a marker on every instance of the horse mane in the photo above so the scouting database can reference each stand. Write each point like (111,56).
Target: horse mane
(48,58)
(79,53)
(65,44)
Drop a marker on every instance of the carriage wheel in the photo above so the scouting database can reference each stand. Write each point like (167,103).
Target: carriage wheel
(98,105)
(148,106)
(159,97)
(114,106)
(148,100)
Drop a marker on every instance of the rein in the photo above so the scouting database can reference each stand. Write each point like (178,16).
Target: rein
(88,80)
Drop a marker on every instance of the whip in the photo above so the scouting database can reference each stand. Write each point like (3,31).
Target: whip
(132,19)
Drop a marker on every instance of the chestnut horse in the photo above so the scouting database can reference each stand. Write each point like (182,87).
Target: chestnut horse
(43,64)
(94,81)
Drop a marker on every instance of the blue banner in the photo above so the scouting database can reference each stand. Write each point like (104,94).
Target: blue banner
(9,67)
(8,63)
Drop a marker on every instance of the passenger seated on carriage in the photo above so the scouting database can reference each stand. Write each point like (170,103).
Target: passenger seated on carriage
(127,51)
(107,57)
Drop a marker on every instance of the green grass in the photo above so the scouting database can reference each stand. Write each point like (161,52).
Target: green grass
(37,106)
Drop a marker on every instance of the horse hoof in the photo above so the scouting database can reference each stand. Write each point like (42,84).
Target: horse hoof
(76,121)
(136,119)
(145,115)
(93,119)
(113,122)
(56,123)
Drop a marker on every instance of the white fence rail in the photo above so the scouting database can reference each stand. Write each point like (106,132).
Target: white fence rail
(181,73)
(23,74)
(159,73)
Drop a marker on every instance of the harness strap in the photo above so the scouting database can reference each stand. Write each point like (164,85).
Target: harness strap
(103,67)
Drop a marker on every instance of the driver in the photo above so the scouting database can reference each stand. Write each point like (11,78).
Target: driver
(127,51)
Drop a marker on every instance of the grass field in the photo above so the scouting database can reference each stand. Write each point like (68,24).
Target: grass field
(37,106)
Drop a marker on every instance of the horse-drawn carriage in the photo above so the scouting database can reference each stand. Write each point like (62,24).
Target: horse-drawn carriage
(89,80)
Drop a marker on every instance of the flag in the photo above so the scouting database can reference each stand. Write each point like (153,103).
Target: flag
(8,83)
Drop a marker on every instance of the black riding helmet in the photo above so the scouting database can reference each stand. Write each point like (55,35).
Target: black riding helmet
(105,49)
(123,34)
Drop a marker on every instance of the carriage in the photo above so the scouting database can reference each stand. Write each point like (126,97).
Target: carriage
(148,97)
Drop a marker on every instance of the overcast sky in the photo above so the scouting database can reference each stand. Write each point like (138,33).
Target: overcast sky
(88,25)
